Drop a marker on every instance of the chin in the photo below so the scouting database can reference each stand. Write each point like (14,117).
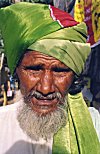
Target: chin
(43,111)
(41,123)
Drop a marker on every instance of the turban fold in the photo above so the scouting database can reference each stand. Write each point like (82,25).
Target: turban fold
(46,29)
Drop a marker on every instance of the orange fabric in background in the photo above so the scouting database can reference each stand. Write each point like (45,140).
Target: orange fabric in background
(89,12)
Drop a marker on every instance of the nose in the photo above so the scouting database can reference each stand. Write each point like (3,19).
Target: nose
(46,84)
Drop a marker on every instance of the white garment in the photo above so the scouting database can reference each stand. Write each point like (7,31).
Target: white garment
(96,120)
(14,141)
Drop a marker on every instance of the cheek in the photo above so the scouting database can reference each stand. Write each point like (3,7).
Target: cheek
(27,81)
(64,83)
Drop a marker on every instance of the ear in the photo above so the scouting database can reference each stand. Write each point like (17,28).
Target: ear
(18,72)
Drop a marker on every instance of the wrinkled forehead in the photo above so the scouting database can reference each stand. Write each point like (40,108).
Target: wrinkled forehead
(36,57)
(34,53)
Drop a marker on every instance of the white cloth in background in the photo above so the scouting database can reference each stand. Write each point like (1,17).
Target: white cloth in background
(14,141)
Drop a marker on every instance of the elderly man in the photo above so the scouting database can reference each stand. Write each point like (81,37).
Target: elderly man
(47,49)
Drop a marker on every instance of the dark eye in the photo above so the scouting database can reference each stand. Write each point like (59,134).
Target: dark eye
(60,69)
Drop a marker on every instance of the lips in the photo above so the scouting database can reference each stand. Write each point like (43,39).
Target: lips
(44,106)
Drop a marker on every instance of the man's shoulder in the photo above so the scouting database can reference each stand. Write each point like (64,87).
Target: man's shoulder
(9,108)
(94,112)
(8,115)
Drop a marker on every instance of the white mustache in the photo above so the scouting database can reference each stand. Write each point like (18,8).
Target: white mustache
(38,95)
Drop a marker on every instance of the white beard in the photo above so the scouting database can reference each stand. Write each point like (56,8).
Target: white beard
(39,126)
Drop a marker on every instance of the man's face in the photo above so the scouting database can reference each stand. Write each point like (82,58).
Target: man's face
(45,78)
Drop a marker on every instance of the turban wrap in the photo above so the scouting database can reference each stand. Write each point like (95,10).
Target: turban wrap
(46,29)
(51,31)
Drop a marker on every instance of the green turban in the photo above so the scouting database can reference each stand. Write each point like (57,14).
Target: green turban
(46,29)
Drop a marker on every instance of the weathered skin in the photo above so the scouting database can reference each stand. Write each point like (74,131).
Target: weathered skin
(45,75)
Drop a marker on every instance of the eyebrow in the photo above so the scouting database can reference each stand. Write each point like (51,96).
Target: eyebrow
(41,67)
(34,67)
(61,69)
